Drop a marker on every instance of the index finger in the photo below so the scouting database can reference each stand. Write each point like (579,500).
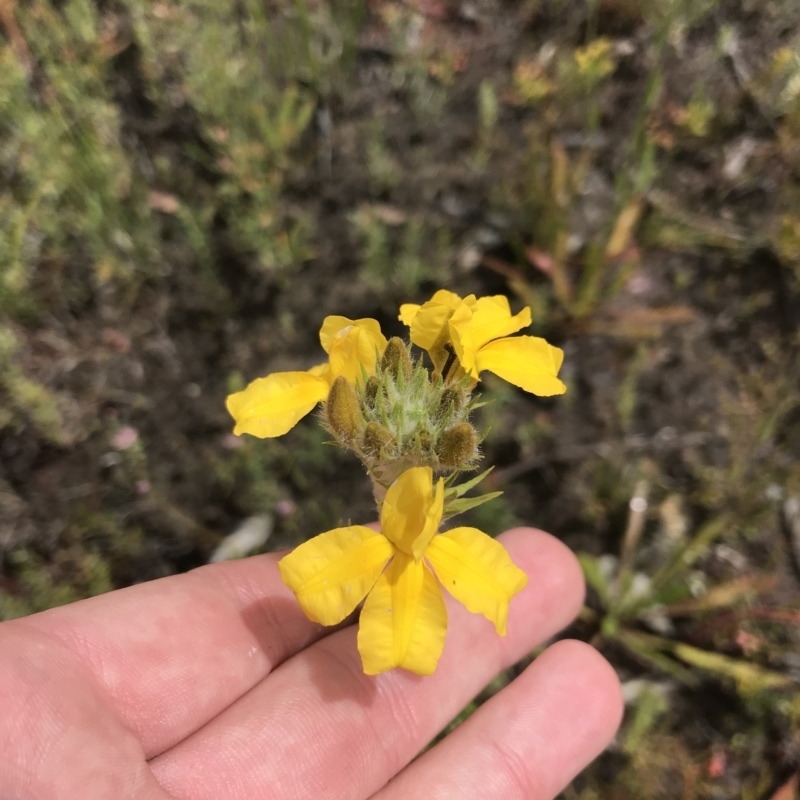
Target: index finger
(173,653)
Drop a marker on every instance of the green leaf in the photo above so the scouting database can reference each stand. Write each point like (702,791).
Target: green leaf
(749,678)
(463,488)
(453,507)
(648,650)
(725,595)
(594,576)
(649,707)
(680,562)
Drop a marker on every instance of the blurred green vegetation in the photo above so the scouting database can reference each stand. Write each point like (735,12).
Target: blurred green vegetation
(188,188)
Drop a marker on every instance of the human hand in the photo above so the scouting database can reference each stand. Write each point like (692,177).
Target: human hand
(213,684)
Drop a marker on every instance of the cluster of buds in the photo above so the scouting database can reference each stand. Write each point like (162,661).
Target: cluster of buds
(410,426)
(402,417)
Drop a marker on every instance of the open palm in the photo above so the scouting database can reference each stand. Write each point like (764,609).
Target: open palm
(214,685)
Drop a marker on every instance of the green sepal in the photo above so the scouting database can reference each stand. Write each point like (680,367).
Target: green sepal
(462,488)
(453,507)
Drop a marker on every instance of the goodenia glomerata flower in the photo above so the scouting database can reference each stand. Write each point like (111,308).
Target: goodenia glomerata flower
(409,426)
(404,619)
(272,406)
(477,330)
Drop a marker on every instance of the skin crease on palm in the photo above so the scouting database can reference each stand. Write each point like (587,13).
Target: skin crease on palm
(213,685)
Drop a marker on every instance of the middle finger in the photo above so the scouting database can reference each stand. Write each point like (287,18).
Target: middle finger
(318,727)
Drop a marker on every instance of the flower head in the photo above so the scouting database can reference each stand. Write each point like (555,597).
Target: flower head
(477,330)
(273,405)
(428,323)
(404,619)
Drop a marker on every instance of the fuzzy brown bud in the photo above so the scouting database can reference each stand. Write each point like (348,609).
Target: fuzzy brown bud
(396,359)
(371,388)
(375,439)
(342,410)
(452,401)
(425,441)
(457,446)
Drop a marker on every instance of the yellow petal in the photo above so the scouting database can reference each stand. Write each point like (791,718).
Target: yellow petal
(428,322)
(273,405)
(332,573)
(491,319)
(430,325)
(447,298)
(477,571)
(333,326)
(322,371)
(404,620)
(460,334)
(356,348)
(526,361)
(412,511)
(499,301)
(407,313)
(471,327)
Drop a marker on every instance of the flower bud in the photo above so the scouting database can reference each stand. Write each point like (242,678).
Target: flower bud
(457,446)
(452,402)
(342,411)
(371,388)
(425,441)
(396,359)
(375,439)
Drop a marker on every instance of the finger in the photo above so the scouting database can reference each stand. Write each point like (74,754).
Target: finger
(57,736)
(528,741)
(318,727)
(172,653)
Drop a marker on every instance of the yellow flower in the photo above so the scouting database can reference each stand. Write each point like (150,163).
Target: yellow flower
(273,405)
(479,334)
(404,619)
(478,331)
(428,323)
